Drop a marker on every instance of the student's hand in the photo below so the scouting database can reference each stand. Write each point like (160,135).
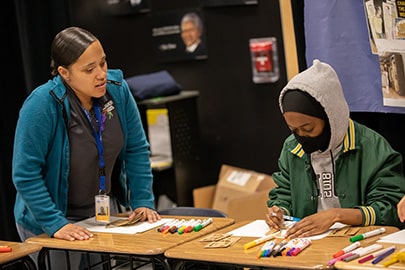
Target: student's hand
(148,214)
(401,209)
(73,232)
(274,217)
(312,225)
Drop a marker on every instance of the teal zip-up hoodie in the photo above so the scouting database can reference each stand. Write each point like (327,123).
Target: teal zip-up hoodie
(368,173)
(41,155)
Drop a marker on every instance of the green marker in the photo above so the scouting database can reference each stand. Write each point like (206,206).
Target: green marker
(367,235)
(203,224)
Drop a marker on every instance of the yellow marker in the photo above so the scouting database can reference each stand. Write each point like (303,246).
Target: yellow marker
(399,256)
(258,241)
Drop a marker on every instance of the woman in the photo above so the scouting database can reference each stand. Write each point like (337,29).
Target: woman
(332,169)
(71,132)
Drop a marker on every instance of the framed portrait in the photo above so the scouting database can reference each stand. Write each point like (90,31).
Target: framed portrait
(179,35)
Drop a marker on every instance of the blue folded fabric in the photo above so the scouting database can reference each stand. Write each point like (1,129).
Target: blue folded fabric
(157,84)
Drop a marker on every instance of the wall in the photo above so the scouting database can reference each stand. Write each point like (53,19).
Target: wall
(240,121)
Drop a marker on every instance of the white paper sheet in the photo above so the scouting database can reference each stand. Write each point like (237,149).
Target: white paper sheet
(93,226)
(394,238)
(259,228)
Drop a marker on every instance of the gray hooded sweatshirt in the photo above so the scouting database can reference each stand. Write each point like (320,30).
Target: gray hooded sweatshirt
(322,83)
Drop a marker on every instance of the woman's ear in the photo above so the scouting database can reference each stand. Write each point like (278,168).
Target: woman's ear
(64,72)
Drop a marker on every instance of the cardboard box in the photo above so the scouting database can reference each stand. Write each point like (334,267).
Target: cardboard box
(241,194)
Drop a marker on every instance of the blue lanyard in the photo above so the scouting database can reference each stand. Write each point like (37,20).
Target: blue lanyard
(99,142)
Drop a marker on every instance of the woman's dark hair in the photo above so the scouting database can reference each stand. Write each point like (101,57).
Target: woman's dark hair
(68,45)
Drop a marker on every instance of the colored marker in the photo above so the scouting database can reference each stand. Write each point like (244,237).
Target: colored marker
(290,218)
(396,257)
(301,246)
(5,249)
(269,248)
(182,228)
(340,258)
(277,248)
(347,249)
(362,251)
(367,235)
(203,224)
(383,255)
(258,241)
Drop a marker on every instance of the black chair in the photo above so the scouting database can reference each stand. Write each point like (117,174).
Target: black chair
(192,211)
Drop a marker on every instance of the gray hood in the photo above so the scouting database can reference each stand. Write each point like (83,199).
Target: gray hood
(321,82)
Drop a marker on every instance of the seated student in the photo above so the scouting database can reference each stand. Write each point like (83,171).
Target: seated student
(401,209)
(332,169)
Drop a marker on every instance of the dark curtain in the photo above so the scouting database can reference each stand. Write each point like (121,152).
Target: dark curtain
(27,33)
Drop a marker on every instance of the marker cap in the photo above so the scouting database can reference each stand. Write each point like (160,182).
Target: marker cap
(338,254)
(357,238)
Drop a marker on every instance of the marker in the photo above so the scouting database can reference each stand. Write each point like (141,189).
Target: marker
(367,235)
(284,250)
(190,227)
(174,227)
(340,258)
(347,249)
(290,218)
(301,246)
(5,249)
(258,241)
(203,224)
(182,228)
(265,249)
(376,254)
(269,249)
(362,251)
(398,256)
(383,255)
(167,224)
(277,248)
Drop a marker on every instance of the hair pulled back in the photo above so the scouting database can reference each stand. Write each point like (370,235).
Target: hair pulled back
(68,45)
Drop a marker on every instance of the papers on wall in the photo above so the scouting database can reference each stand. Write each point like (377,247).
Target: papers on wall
(394,238)
(144,226)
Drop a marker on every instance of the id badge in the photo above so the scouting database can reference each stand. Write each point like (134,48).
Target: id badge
(102,208)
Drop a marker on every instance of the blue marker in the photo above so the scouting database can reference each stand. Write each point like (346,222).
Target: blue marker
(290,218)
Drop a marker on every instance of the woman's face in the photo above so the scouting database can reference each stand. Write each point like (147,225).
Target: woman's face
(88,75)
(304,125)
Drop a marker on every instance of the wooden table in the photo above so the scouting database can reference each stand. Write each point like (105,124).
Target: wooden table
(19,254)
(316,256)
(150,244)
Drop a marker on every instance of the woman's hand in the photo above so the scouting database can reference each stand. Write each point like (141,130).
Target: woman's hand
(274,217)
(148,214)
(73,232)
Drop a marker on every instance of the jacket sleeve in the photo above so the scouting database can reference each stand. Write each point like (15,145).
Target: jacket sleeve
(37,207)
(385,186)
(281,194)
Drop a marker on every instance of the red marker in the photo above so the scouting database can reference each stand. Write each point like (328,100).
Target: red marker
(301,246)
(347,249)
(340,258)
(376,254)
(5,249)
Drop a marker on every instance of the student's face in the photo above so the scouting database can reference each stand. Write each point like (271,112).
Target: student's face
(189,33)
(304,125)
(88,75)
